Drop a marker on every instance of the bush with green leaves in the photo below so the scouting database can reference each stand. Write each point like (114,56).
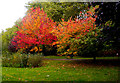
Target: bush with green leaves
(6,37)
(22,60)
(34,61)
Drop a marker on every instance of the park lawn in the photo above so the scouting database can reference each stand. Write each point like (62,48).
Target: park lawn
(64,57)
(53,70)
(78,57)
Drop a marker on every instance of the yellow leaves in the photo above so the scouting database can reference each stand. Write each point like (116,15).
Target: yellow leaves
(58,45)
(74,53)
(32,8)
(97,6)
(20,50)
(62,46)
(60,42)
(54,43)
(57,42)
(36,49)
(14,57)
(40,49)
(31,50)
(65,53)
(30,32)
(68,50)
(62,20)
(52,31)
(68,57)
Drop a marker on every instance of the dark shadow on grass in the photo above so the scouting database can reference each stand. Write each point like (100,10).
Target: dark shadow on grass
(100,62)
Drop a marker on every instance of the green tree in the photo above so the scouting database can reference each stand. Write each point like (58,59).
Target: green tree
(7,36)
(58,10)
(108,19)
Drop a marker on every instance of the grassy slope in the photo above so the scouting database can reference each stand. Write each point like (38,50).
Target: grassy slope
(63,71)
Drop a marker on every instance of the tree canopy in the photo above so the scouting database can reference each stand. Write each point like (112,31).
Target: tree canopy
(108,19)
(60,10)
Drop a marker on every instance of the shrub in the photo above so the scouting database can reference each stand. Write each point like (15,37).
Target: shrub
(6,62)
(34,61)
(12,61)
(22,60)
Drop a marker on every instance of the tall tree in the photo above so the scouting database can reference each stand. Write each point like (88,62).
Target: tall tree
(6,36)
(35,31)
(58,10)
(78,37)
(108,19)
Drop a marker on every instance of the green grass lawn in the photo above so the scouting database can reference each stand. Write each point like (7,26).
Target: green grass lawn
(64,71)
(78,57)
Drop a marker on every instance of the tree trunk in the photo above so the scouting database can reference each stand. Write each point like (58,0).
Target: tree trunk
(94,59)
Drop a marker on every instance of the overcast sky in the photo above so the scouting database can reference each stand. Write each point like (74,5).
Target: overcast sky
(10,11)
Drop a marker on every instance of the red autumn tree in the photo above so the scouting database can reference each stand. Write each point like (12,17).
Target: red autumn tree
(35,31)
